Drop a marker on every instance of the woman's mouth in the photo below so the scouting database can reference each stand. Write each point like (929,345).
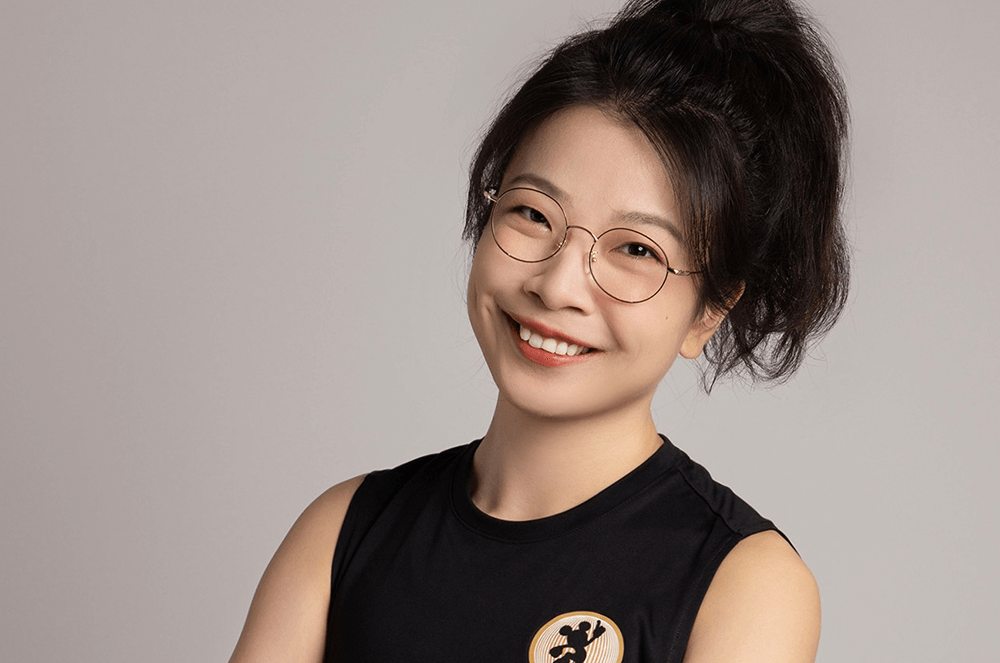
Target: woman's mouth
(552,345)
(546,346)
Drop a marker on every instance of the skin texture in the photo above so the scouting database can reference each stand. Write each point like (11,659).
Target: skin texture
(561,434)
(762,605)
(287,618)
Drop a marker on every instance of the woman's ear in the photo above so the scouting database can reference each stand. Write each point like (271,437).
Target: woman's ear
(705,325)
(701,331)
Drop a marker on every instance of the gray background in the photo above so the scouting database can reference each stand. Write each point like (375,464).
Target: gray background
(230,276)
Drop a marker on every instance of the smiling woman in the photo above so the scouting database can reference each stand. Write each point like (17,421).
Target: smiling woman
(564,297)
(664,187)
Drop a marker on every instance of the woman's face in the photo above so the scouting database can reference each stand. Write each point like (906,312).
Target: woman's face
(604,174)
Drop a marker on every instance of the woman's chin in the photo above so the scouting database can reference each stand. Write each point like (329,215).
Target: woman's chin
(582,401)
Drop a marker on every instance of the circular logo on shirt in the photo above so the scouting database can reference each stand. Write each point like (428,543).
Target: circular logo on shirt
(578,637)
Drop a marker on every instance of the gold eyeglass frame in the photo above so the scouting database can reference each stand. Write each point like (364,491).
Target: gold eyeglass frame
(493,196)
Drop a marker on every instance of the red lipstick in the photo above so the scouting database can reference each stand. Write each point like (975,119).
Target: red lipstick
(544,357)
(547,332)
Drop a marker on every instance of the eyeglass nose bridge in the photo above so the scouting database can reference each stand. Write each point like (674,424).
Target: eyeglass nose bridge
(593,245)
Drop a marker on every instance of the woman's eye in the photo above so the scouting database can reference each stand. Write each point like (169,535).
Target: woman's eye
(533,215)
(636,250)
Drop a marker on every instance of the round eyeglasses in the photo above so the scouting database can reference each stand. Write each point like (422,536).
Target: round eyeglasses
(531,226)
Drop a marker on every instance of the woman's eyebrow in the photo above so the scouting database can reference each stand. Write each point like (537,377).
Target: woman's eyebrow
(644,218)
(542,184)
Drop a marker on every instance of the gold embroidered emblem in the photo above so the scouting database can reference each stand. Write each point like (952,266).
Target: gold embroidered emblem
(578,637)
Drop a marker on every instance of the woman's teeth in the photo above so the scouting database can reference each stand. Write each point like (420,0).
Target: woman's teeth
(551,344)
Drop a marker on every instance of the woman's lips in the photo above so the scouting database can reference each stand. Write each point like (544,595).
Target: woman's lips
(550,344)
(544,346)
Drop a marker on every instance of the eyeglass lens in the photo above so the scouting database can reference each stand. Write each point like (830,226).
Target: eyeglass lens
(530,226)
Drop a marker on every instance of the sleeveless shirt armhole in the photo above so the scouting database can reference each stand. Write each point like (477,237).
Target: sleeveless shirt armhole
(703,485)
(692,604)
(376,489)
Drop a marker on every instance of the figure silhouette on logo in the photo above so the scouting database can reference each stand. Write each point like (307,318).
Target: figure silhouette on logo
(577,641)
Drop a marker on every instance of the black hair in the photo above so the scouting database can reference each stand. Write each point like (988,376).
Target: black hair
(744,103)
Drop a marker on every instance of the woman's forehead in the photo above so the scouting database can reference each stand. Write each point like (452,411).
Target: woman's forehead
(594,163)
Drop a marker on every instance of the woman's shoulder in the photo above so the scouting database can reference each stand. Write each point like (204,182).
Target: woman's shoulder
(288,613)
(326,513)
(381,486)
(429,463)
(717,501)
(762,605)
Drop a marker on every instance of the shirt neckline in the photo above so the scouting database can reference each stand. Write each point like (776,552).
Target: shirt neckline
(562,523)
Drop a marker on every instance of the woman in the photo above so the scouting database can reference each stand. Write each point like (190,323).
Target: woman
(666,186)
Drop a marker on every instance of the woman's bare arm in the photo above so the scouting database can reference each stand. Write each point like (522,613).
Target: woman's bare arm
(762,607)
(287,618)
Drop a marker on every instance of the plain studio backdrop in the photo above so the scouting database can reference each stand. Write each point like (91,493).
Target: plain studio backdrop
(231,276)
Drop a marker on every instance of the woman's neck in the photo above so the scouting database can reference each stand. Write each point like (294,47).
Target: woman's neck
(530,467)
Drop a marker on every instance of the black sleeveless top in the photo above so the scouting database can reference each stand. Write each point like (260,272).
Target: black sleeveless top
(421,574)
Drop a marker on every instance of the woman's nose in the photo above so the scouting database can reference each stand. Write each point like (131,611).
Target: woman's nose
(564,280)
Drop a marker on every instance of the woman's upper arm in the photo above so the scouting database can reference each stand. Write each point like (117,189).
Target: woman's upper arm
(287,618)
(762,606)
